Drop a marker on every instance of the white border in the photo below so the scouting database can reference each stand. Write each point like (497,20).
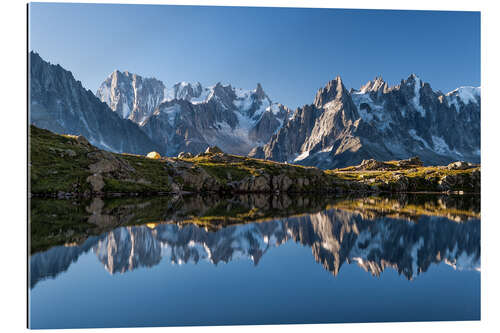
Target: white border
(13,139)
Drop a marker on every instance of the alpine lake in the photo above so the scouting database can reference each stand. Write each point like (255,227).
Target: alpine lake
(253,259)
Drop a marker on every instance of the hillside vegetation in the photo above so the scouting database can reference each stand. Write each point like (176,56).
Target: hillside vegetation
(64,165)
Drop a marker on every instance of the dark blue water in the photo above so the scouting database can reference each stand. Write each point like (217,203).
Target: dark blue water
(325,267)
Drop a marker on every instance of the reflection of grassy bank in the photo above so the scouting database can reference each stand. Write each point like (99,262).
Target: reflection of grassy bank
(58,222)
(456,209)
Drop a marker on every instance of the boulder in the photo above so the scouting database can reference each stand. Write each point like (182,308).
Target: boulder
(281,183)
(470,182)
(96,182)
(460,165)
(260,184)
(412,161)
(214,150)
(185,155)
(371,164)
(82,140)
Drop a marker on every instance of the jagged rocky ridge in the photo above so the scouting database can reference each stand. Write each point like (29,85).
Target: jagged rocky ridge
(344,127)
(59,103)
(335,236)
(189,117)
(340,128)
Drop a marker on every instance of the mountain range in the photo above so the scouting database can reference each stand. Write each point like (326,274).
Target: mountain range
(59,103)
(189,117)
(344,127)
(341,127)
(336,237)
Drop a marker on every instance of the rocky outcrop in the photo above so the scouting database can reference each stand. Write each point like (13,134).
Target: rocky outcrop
(372,164)
(410,163)
(214,150)
(184,155)
(465,181)
(461,165)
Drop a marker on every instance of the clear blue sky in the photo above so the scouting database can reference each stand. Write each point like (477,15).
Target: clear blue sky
(291,51)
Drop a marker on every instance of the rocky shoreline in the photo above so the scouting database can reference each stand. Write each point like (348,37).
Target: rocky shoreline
(68,166)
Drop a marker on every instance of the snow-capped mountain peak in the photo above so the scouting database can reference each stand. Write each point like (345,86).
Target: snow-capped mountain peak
(465,95)
(193,92)
(130,95)
(410,119)
(235,119)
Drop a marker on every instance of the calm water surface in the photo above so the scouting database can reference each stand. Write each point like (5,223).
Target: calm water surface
(253,260)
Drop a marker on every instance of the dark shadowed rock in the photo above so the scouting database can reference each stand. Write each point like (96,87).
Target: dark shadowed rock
(411,162)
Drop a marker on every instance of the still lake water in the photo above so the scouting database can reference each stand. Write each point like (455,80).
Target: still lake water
(253,260)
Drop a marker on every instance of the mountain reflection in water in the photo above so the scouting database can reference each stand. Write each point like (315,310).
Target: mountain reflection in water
(407,234)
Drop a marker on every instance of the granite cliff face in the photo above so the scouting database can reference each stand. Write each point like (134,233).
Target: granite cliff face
(131,96)
(59,103)
(343,127)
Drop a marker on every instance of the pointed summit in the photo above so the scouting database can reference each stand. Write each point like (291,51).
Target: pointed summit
(259,92)
(334,89)
(412,79)
(375,85)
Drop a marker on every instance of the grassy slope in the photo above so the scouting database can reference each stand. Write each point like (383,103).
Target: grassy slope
(52,167)
(63,164)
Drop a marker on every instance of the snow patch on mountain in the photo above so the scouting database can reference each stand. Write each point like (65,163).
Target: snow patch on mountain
(302,156)
(189,91)
(171,113)
(416,98)
(414,135)
(370,111)
(440,145)
(466,95)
